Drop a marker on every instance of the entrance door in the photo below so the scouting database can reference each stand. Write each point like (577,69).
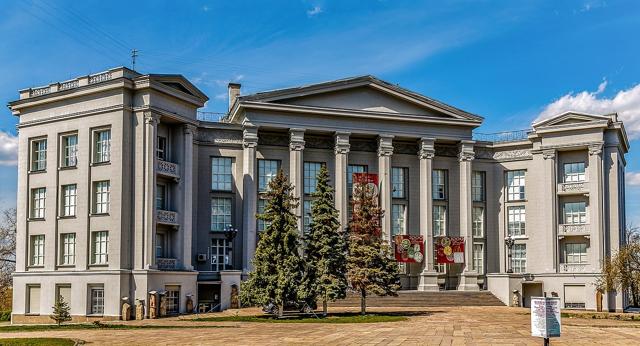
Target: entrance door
(208,297)
(531,289)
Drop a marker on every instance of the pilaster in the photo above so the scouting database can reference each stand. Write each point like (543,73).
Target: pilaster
(296,148)
(551,181)
(596,213)
(341,150)
(469,277)
(426,153)
(151,124)
(249,194)
(385,150)
(187,180)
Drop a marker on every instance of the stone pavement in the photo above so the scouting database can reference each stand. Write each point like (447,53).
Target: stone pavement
(430,326)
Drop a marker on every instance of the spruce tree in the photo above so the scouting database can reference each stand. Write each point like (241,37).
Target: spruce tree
(325,250)
(371,269)
(277,264)
(61,311)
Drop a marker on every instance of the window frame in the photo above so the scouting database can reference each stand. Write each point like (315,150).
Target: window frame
(518,224)
(350,172)
(101,147)
(479,267)
(570,214)
(161,199)
(37,250)
(516,192)
(69,202)
(227,218)
(38,156)
(68,152)
(224,178)
(226,255)
(96,301)
(574,175)
(398,219)
(162,148)
(263,178)
(478,192)
(519,264)
(38,203)
(67,249)
(102,204)
(582,256)
(399,182)
(439,182)
(309,181)
(477,222)
(99,245)
(442,222)
(307,205)
(172,301)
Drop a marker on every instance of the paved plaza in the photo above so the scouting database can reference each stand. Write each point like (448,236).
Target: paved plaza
(428,326)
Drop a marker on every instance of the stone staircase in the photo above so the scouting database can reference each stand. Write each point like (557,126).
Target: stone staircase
(423,299)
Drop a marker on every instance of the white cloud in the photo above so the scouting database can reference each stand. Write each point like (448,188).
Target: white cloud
(8,149)
(316,10)
(205,8)
(632,178)
(625,102)
(221,96)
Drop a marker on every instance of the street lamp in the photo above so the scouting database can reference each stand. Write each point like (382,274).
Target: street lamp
(229,233)
(509,241)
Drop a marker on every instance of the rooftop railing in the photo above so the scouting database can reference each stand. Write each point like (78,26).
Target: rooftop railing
(212,117)
(501,137)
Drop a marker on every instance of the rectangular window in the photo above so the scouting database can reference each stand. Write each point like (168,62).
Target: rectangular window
(172,298)
(37,250)
(161,151)
(516,217)
(100,242)
(101,196)
(354,169)
(69,197)
(575,253)
(575,213)
(39,155)
(478,257)
(478,222)
(101,146)
(221,175)
(574,172)
(260,210)
(267,170)
(439,183)
(515,185)
(220,255)
(398,182)
(398,219)
(220,213)
(574,297)
(311,170)
(38,197)
(69,150)
(97,300)
(306,205)
(161,197)
(33,296)
(477,186)
(439,220)
(519,258)
(440,267)
(160,253)
(63,292)
(68,249)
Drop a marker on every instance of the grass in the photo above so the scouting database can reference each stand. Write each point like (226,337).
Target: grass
(92,326)
(332,318)
(37,342)
(603,316)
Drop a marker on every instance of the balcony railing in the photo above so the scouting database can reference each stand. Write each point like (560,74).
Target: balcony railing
(168,169)
(573,229)
(167,217)
(573,267)
(570,188)
(166,263)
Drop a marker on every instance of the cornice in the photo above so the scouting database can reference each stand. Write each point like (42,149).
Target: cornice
(74,115)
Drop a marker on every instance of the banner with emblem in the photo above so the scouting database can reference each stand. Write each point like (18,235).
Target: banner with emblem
(449,250)
(409,248)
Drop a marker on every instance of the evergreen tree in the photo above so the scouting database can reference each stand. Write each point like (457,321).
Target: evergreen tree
(371,269)
(61,311)
(325,250)
(277,264)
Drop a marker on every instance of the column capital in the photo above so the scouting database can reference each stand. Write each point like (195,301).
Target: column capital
(189,129)
(151,118)
(296,139)
(385,145)
(426,148)
(342,145)
(549,154)
(250,137)
(596,148)
(466,151)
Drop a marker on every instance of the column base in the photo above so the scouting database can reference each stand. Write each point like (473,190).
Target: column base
(468,281)
(428,281)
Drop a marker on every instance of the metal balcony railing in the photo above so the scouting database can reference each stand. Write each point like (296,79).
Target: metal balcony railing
(167,217)
(168,169)
(166,263)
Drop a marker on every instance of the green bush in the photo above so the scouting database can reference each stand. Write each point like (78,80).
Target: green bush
(5,315)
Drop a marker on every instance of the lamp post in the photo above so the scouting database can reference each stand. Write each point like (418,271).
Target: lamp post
(230,233)
(509,241)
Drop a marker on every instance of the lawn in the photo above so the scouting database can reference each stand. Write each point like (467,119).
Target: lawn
(37,342)
(332,318)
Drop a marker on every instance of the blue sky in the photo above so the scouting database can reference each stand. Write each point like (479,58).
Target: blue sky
(509,61)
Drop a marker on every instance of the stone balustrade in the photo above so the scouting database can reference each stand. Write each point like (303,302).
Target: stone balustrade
(167,217)
(166,263)
(574,187)
(168,169)
(573,267)
(573,229)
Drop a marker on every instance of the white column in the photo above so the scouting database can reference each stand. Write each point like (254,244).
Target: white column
(187,217)
(428,277)
(342,147)
(296,147)
(151,122)
(549,156)
(469,277)
(385,150)
(249,195)
(595,177)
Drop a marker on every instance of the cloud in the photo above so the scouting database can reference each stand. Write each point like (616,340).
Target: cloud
(625,102)
(205,8)
(8,149)
(316,10)
(632,178)
(592,4)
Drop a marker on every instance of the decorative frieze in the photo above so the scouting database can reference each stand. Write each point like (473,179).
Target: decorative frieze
(218,136)
(409,148)
(574,229)
(446,150)
(277,139)
(68,84)
(318,142)
(515,154)
(40,91)
(363,144)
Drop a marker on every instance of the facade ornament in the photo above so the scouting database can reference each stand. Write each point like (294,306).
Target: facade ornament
(296,139)
(549,154)
(151,119)
(189,129)
(426,149)
(342,143)
(512,154)
(466,151)
(595,149)
(385,145)
(250,137)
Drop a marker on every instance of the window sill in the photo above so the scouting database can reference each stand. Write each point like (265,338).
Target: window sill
(40,171)
(35,219)
(67,217)
(221,191)
(99,265)
(519,237)
(95,315)
(66,266)
(67,168)
(96,164)
(35,267)
(31,314)
(517,200)
(99,214)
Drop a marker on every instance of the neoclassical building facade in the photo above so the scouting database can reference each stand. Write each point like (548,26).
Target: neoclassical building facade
(127,194)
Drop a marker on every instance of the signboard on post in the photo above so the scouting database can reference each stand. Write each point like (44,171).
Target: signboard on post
(545,317)
(449,250)
(409,248)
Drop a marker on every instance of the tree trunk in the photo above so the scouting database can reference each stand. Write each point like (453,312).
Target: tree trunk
(363,302)
(324,307)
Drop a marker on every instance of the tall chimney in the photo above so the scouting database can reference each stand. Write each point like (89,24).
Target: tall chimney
(234,92)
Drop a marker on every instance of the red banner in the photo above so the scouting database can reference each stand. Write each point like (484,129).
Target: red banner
(366,178)
(409,248)
(449,249)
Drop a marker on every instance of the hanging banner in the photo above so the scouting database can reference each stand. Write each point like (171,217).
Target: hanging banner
(409,248)
(449,249)
(366,178)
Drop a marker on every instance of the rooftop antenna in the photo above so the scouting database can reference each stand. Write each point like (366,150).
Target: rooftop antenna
(134,55)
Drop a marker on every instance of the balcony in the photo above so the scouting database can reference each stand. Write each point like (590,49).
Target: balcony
(166,263)
(573,188)
(573,229)
(167,217)
(573,267)
(168,169)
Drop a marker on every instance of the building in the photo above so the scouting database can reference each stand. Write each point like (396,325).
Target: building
(125,189)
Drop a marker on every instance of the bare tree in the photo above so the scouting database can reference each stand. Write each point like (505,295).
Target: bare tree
(7,247)
(632,233)
(621,271)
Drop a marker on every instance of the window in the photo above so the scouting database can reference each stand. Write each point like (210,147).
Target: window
(221,176)
(63,292)
(478,257)
(69,150)
(519,258)
(39,155)
(307,215)
(100,242)
(220,213)
(574,297)
(440,267)
(97,300)
(267,170)
(260,210)
(477,186)
(101,192)
(160,245)
(516,220)
(161,150)
(220,255)
(574,172)
(161,197)
(515,185)
(69,196)
(575,213)
(38,197)
(398,187)
(478,222)
(439,220)
(398,219)
(101,146)
(172,299)
(33,296)
(439,182)
(68,249)
(354,169)
(575,253)
(311,170)
(37,250)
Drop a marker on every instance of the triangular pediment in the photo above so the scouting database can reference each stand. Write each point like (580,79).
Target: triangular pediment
(570,119)
(179,84)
